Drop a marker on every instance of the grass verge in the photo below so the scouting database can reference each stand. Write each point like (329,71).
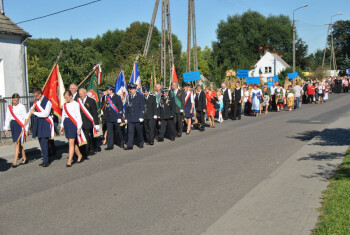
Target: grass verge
(335,210)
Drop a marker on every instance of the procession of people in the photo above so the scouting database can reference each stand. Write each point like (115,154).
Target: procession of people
(145,116)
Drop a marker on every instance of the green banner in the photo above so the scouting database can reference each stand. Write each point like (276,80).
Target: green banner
(91,87)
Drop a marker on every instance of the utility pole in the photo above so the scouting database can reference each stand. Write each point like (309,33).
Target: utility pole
(332,59)
(188,68)
(195,58)
(325,48)
(150,31)
(191,27)
(294,36)
(163,45)
(166,38)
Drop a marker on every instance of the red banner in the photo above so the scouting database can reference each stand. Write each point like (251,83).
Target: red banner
(51,91)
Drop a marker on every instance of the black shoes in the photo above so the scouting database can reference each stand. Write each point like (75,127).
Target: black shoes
(160,139)
(109,148)
(141,147)
(46,164)
(128,148)
(67,165)
(13,166)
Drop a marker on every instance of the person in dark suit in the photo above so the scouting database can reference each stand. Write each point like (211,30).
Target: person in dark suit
(237,96)
(74,89)
(42,123)
(227,99)
(151,115)
(89,127)
(179,97)
(103,116)
(134,116)
(166,115)
(114,114)
(200,105)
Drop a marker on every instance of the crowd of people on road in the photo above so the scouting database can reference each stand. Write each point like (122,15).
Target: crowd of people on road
(145,116)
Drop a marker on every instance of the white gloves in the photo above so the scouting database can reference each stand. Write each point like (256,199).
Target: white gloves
(119,121)
(126,121)
(141,119)
(97,127)
(181,110)
(155,117)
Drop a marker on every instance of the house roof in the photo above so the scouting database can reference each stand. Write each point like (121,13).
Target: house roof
(8,27)
(278,58)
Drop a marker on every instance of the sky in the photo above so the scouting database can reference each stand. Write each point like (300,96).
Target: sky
(95,19)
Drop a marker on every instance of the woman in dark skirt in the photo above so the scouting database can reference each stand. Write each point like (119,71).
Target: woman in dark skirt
(189,105)
(16,115)
(71,124)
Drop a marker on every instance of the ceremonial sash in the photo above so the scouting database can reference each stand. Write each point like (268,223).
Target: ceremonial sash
(81,138)
(49,119)
(177,101)
(23,136)
(112,105)
(187,98)
(88,115)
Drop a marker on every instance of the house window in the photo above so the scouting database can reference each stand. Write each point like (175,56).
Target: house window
(268,69)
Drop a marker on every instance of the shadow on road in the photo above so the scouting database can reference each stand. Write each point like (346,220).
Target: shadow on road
(4,165)
(328,137)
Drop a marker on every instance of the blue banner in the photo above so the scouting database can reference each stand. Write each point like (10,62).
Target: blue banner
(242,73)
(192,76)
(293,75)
(253,80)
(269,84)
(348,71)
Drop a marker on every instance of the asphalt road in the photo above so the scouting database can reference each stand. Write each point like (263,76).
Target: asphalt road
(179,187)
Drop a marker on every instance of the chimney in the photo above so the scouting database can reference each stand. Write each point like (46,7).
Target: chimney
(2,7)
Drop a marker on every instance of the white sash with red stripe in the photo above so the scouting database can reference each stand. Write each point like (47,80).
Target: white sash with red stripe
(23,136)
(88,115)
(188,97)
(48,119)
(81,138)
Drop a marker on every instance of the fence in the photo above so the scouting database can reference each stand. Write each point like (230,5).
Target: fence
(27,101)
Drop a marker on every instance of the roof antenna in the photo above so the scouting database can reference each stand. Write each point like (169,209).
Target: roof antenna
(2,7)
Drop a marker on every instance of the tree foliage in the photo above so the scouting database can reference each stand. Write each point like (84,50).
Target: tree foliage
(115,49)
(242,39)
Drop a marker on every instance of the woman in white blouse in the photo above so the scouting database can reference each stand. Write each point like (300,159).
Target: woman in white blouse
(14,121)
(72,128)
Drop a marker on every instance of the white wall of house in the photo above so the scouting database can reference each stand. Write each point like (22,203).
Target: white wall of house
(2,79)
(266,66)
(13,68)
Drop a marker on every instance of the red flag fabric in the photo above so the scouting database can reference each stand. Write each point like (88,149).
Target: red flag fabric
(52,90)
(175,79)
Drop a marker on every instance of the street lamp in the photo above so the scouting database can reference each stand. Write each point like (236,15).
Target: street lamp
(294,35)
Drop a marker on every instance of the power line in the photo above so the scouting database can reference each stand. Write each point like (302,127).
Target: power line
(58,12)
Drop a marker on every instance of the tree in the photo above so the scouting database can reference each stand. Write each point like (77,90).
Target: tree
(37,74)
(341,38)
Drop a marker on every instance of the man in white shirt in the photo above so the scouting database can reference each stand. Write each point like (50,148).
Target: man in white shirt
(41,126)
(273,97)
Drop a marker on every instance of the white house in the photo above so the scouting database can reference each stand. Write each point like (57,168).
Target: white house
(269,65)
(13,59)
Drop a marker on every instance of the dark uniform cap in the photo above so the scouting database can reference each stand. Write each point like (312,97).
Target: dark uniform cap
(132,86)
(145,89)
(164,90)
(109,87)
